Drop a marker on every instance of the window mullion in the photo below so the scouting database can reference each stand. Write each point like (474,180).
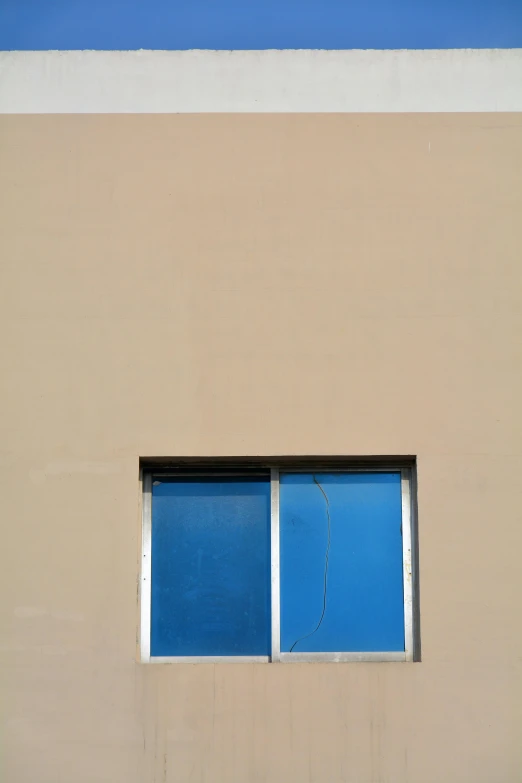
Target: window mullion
(407,564)
(146,570)
(274,565)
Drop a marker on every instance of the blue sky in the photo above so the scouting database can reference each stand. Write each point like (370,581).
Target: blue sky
(256,24)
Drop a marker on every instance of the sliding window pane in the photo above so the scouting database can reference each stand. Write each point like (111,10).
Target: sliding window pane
(210,567)
(341,562)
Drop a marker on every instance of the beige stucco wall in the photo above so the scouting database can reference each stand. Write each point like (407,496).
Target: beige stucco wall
(248,285)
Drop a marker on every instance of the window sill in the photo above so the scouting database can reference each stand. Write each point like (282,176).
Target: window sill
(343,657)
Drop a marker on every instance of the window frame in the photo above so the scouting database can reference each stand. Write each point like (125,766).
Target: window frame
(272,471)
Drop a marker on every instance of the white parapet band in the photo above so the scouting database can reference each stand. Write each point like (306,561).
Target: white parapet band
(198,81)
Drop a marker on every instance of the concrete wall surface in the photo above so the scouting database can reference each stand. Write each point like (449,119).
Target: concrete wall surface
(204,285)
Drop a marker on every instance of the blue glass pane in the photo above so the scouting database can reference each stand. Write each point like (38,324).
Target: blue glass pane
(359,550)
(211,567)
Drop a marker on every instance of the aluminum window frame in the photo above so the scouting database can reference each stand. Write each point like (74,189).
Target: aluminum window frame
(273,472)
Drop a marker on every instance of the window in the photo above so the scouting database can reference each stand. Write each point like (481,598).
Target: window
(278,563)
